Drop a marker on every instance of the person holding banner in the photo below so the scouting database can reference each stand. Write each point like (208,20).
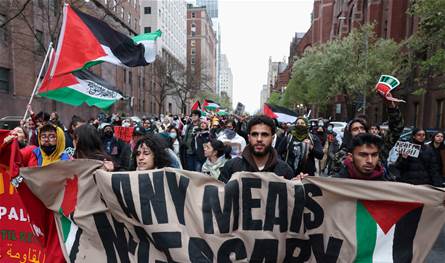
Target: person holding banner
(258,155)
(423,169)
(149,154)
(363,160)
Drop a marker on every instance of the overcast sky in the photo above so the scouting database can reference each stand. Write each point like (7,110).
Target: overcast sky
(253,30)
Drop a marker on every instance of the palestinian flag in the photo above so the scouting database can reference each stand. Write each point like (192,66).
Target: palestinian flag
(386,230)
(210,105)
(85,41)
(196,106)
(280,113)
(70,231)
(79,87)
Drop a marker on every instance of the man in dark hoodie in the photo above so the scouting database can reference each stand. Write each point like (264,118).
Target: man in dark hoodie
(258,155)
(118,150)
(363,160)
(358,126)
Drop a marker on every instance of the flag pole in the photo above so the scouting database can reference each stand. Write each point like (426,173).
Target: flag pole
(50,51)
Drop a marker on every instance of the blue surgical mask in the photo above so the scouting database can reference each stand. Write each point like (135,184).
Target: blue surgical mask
(173,135)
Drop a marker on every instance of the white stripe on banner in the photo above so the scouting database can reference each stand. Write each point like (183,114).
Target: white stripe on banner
(282,117)
(71,237)
(383,246)
(95,90)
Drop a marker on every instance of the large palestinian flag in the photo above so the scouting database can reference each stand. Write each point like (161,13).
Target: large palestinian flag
(85,41)
(79,87)
(282,114)
(366,221)
(386,230)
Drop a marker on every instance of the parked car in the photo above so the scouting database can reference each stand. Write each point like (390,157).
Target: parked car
(10,122)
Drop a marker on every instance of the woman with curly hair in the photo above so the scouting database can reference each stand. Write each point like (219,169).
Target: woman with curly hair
(149,154)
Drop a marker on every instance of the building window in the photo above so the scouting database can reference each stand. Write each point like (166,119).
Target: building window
(39,45)
(129,19)
(192,43)
(193,51)
(193,14)
(122,12)
(147,29)
(193,29)
(106,2)
(130,78)
(4,80)
(192,61)
(170,107)
(40,3)
(147,10)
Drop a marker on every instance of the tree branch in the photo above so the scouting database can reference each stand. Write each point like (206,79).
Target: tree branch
(16,15)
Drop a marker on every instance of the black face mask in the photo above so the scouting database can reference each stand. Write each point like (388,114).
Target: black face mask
(108,134)
(48,149)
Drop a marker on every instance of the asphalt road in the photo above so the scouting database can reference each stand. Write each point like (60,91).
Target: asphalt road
(437,254)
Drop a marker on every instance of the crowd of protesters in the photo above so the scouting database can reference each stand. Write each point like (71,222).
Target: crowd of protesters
(220,146)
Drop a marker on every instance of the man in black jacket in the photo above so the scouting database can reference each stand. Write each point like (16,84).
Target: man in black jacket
(259,155)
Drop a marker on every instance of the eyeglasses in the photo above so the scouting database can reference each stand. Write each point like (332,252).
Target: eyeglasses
(50,137)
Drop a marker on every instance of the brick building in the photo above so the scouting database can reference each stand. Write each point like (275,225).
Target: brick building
(22,48)
(201,48)
(332,19)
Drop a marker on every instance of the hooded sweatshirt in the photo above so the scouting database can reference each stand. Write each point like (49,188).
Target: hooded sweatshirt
(247,163)
(40,158)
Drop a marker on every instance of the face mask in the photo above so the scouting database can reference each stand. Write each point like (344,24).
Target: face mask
(173,135)
(108,134)
(330,129)
(48,149)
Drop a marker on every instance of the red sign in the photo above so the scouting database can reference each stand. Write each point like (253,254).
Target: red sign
(123,133)
(18,236)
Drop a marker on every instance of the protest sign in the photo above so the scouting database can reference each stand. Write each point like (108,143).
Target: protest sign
(173,215)
(18,240)
(239,109)
(123,133)
(408,148)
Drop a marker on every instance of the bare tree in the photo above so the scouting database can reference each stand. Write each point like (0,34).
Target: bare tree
(164,76)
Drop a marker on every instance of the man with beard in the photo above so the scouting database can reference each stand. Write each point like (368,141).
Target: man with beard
(259,155)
